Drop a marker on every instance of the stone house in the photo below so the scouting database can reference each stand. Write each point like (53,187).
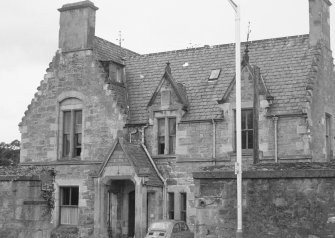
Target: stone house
(125,131)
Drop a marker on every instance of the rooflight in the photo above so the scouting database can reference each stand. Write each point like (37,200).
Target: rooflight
(214,74)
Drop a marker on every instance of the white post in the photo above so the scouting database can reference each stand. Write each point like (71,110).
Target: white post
(238,165)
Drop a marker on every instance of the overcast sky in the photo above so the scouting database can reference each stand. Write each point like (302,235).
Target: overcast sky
(29,35)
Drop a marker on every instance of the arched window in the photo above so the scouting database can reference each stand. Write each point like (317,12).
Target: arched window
(71,121)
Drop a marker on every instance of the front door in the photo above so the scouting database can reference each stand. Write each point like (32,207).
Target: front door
(131,214)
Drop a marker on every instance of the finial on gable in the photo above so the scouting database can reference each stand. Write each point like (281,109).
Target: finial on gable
(168,68)
(245,59)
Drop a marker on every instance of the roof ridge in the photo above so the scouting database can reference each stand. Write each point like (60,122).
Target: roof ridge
(122,48)
(217,46)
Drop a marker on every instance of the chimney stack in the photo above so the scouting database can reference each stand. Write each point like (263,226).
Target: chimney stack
(77,26)
(319,22)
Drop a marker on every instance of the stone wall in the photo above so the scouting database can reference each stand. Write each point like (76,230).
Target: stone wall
(321,100)
(77,175)
(72,75)
(292,201)
(24,212)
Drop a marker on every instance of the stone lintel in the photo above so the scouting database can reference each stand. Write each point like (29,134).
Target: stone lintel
(269,174)
(77,5)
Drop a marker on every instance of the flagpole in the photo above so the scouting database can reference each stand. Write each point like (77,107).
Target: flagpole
(238,164)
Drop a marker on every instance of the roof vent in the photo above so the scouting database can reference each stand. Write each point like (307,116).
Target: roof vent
(214,74)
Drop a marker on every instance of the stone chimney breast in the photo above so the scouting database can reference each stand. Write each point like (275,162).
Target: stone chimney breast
(77,26)
(319,22)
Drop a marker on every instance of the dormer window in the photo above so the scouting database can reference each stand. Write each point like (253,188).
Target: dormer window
(116,74)
(214,74)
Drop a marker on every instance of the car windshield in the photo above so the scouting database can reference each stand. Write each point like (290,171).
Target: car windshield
(159,226)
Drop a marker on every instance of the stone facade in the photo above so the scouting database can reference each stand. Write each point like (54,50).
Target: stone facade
(125,132)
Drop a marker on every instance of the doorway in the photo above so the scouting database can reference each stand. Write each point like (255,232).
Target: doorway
(121,209)
(131,214)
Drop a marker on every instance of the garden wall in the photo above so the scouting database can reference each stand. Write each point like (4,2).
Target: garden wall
(294,200)
(24,211)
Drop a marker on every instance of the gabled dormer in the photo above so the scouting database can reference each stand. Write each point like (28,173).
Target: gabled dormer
(169,94)
(166,107)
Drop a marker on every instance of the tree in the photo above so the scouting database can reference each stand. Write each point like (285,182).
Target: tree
(10,153)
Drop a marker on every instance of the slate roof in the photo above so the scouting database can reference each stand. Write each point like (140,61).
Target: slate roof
(284,64)
(139,160)
(108,51)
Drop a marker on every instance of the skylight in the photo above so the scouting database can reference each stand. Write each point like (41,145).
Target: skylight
(214,74)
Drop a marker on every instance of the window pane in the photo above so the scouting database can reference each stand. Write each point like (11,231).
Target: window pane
(183,206)
(66,145)
(161,144)
(172,144)
(161,127)
(171,205)
(112,72)
(250,119)
(78,120)
(119,75)
(65,196)
(172,126)
(67,122)
(74,195)
(161,135)
(250,139)
(243,120)
(244,139)
(77,142)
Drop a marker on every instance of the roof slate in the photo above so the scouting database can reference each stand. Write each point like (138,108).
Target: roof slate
(138,159)
(108,51)
(284,64)
(141,162)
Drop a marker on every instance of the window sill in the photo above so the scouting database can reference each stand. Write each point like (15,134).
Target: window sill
(164,156)
(78,158)
(116,83)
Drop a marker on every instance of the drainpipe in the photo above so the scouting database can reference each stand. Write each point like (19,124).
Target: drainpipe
(131,134)
(275,121)
(161,177)
(214,141)
(143,137)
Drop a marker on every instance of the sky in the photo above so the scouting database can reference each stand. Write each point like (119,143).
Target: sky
(29,36)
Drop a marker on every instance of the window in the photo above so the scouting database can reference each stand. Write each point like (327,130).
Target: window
(166,141)
(183,206)
(161,135)
(247,131)
(214,74)
(69,201)
(328,137)
(115,73)
(72,133)
(171,206)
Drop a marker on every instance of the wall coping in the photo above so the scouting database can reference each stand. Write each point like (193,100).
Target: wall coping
(268,174)
(19,178)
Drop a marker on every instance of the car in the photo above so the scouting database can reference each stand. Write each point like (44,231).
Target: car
(169,229)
